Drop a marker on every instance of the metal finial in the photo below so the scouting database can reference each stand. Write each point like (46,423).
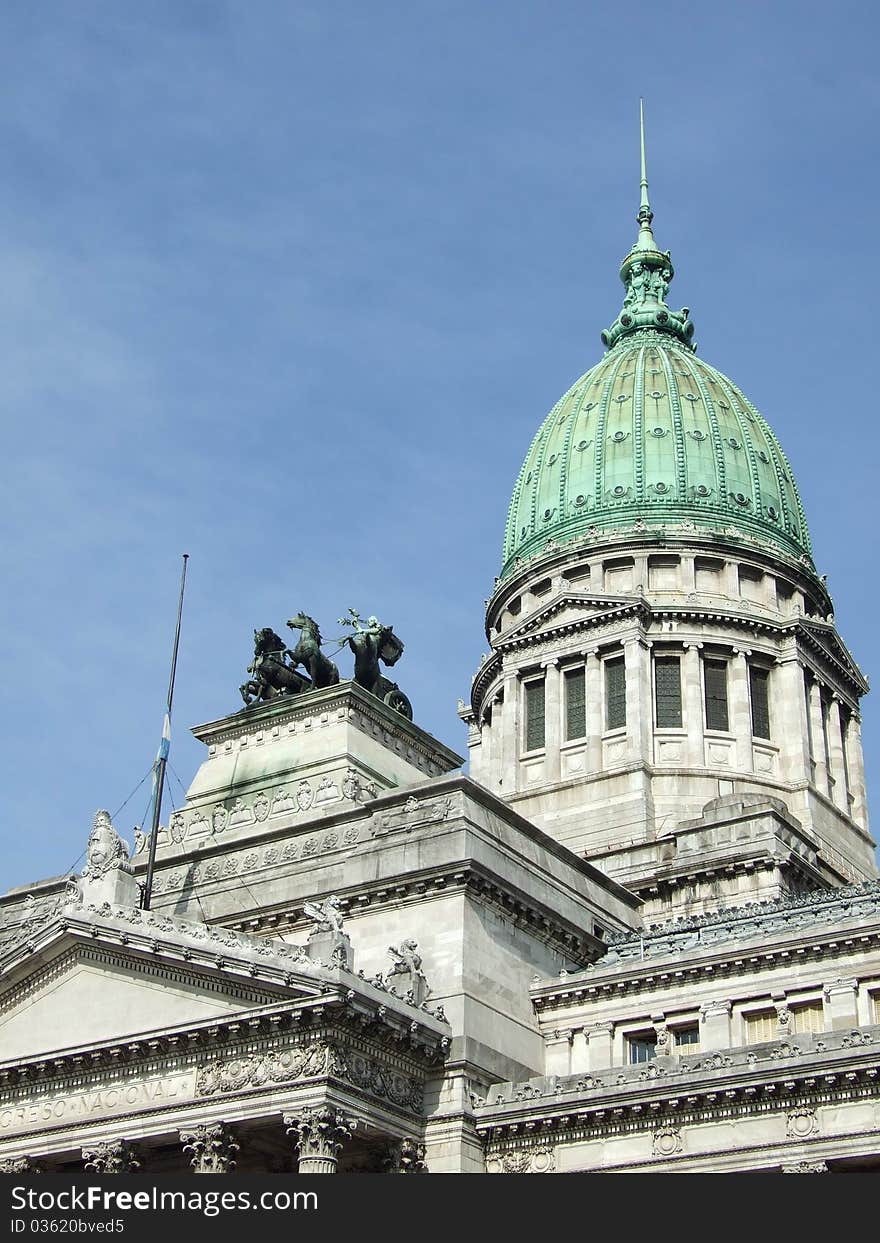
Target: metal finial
(645,216)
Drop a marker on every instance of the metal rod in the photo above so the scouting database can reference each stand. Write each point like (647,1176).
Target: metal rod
(164,747)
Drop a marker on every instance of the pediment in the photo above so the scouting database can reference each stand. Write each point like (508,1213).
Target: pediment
(85,979)
(570,609)
(823,637)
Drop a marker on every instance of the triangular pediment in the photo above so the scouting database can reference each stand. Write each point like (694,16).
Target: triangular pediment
(569,610)
(822,637)
(84,978)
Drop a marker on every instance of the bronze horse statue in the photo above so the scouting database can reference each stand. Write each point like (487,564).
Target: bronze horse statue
(308,652)
(273,675)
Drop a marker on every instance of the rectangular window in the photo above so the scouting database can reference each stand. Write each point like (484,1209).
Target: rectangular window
(534,715)
(875,1006)
(615,693)
(667,687)
(641,1048)
(761,1027)
(808,1018)
(759,681)
(687,1039)
(575,704)
(715,679)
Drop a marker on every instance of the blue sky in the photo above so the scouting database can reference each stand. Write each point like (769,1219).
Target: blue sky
(290,286)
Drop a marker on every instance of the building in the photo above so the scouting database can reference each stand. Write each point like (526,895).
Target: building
(642,934)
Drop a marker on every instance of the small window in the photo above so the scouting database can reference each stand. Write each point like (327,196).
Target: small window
(534,715)
(759,680)
(875,1007)
(808,1018)
(687,1039)
(641,1048)
(715,677)
(615,693)
(575,704)
(667,686)
(761,1026)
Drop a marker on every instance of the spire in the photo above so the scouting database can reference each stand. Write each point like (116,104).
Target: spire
(645,216)
(646,272)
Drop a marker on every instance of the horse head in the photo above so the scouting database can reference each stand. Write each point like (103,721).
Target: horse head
(302,621)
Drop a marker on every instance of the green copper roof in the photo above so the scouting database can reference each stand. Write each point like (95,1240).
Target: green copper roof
(653,436)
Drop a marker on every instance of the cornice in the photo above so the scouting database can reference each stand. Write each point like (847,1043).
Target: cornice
(692,1089)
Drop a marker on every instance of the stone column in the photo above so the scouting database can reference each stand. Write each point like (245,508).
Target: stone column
(212,1148)
(406,1156)
(715,1025)
(552,719)
(692,696)
(18,1165)
(318,1134)
(599,1037)
(856,762)
(794,733)
(593,694)
(740,709)
(113,1156)
(841,1004)
(817,731)
(835,756)
(636,654)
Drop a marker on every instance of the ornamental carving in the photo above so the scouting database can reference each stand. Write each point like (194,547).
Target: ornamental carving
(106,851)
(319,1133)
(667,1141)
(304,795)
(802,1123)
(18,1165)
(310,1062)
(212,1148)
(406,1156)
(523,1161)
(805,1167)
(286,1066)
(114,1156)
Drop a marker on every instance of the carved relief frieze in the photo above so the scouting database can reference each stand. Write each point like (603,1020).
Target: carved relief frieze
(540,1160)
(413,814)
(323,1060)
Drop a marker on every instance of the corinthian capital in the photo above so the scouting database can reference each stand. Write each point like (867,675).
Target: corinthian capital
(212,1148)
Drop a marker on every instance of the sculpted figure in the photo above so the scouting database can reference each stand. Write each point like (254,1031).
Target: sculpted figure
(327,915)
(406,970)
(308,652)
(273,672)
(370,644)
(106,849)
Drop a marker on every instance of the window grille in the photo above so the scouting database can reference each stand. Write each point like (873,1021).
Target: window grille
(534,715)
(615,693)
(667,686)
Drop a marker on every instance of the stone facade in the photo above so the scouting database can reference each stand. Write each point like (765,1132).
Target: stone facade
(642,934)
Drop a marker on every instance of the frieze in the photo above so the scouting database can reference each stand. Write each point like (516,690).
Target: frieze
(536,1160)
(254,858)
(316,1061)
(88,1104)
(413,814)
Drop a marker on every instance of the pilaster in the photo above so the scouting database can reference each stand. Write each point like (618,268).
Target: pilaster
(740,709)
(593,693)
(693,703)
(715,1025)
(794,740)
(552,719)
(841,1003)
(599,1037)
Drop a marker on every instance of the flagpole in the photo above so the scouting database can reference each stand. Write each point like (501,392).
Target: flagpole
(162,754)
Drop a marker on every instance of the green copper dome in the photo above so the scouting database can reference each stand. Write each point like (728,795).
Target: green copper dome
(653,436)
